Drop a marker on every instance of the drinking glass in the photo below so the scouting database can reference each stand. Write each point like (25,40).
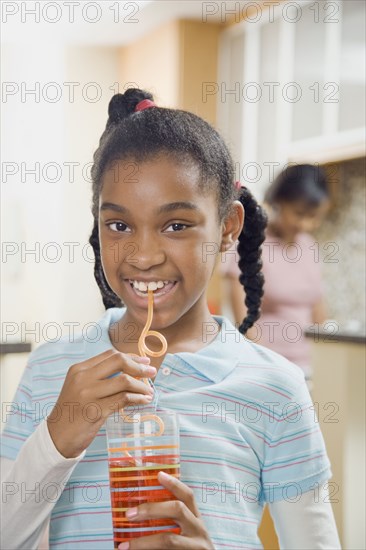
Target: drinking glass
(142,442)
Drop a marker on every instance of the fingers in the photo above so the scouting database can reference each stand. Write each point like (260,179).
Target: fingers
(193,534)
(121,362)
(121,400)
(111,378)
(172,509)
(119,373)
(121,383)
(93,361)
(111,362)
(183,512)
(180,491)
(158,542)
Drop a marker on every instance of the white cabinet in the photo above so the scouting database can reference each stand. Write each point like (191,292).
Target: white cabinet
(308,72)
(298,71)
(352,65)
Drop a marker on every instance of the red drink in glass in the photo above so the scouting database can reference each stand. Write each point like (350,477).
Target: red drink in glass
(134,464)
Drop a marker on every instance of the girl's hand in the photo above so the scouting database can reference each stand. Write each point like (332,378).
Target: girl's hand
(89,396)
(184,512)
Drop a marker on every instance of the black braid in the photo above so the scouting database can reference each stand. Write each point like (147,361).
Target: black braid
(110,299)
(250,263)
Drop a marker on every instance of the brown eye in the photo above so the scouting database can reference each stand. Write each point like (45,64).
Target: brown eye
(178,226)
(120,227)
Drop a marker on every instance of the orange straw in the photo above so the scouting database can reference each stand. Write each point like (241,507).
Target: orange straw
(144,350)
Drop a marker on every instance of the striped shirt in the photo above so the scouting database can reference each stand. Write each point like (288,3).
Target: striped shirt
(248,434)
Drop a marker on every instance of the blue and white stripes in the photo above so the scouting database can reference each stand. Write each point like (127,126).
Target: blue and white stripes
(248,434)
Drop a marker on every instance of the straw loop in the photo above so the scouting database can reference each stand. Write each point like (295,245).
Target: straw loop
(144,350)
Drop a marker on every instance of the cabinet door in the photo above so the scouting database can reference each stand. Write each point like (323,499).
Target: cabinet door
(352,66)
(268,103)
(309,58)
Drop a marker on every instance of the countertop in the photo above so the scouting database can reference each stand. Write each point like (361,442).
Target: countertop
(15,347)
(336,336)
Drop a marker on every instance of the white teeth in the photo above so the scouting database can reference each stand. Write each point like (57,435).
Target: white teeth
(153,285)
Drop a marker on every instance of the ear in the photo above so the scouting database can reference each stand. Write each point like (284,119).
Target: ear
(232,226)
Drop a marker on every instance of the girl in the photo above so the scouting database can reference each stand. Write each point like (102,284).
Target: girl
(293,300)
(164,205)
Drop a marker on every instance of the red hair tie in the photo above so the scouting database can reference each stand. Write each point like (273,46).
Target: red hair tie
(144,104)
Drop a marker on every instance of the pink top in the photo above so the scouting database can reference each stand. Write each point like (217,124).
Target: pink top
(293,285)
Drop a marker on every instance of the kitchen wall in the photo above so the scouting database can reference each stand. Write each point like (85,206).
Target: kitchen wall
(152,63)
(342,245)
(47,285)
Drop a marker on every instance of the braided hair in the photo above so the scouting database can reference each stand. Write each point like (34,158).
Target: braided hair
(183,136)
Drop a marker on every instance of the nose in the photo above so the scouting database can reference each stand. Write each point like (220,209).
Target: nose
(146,252)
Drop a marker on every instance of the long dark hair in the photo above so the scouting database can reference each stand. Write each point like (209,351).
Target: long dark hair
(184,136)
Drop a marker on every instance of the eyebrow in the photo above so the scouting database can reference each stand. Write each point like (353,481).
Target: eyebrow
(169,207)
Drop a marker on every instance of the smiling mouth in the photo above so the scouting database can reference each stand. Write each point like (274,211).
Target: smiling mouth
(157,287)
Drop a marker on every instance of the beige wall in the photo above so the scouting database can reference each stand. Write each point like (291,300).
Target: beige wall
(199,47)
(41,293)
(152,63)
(173,62)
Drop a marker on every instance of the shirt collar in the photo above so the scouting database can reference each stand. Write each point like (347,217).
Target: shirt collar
(214,361)
(217,359)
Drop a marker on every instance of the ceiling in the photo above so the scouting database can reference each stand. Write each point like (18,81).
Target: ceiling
(108,23)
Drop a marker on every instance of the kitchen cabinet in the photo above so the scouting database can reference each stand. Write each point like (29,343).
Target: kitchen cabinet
(292,87)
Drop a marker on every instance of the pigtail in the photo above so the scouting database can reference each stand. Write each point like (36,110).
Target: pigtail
(110,299)
(250,263)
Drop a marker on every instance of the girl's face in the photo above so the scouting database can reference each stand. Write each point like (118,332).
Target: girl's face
(155,225)
(292,218)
